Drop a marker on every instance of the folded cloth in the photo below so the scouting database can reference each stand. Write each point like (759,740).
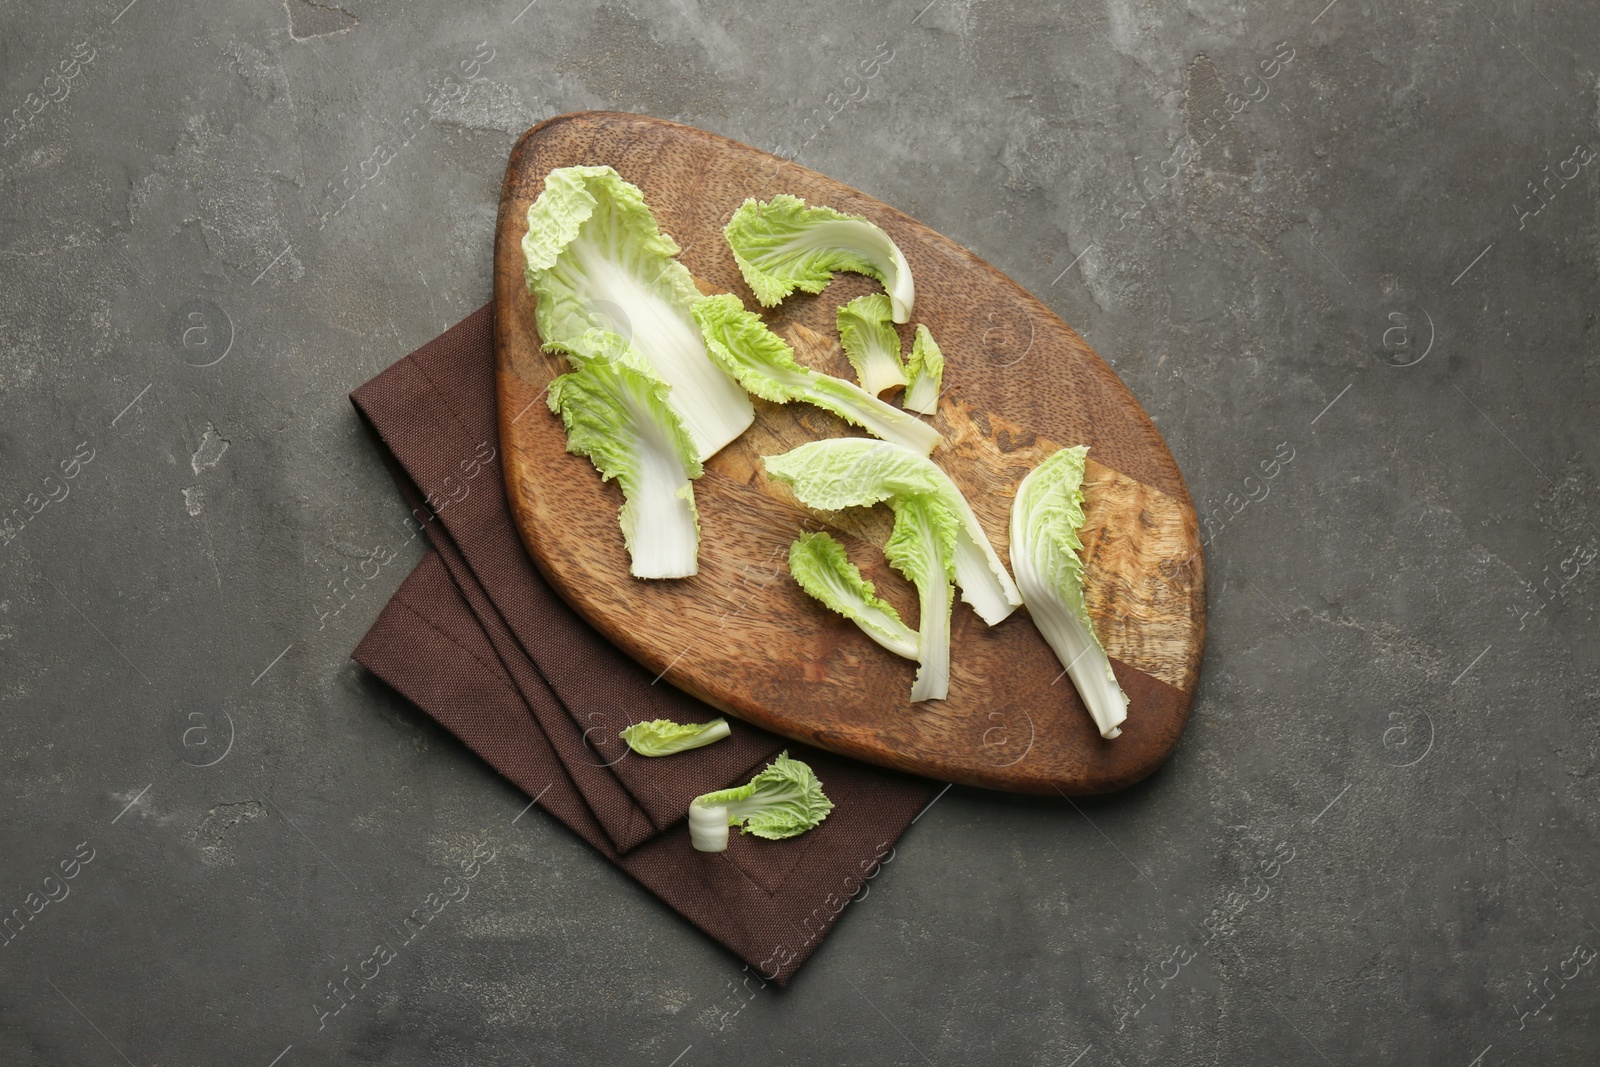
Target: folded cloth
(434,412)
(478,640)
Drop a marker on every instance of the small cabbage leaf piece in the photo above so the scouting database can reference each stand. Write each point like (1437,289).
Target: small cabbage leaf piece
(925,369)
(596,259)
(850,472)
(765,365)
(782,245)
(1045,550)
(784,800)
(663,737)
(616,413)
(922,547)
(819,566)
(870,343)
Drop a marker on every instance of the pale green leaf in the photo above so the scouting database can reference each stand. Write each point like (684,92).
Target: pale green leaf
(936,537)
(870,343)
(819,566)
(765,365)
(783,800)
(925,369)
(1046,553)
(858,472)
(663,737)
(782,245)
(595,259)
(616,413)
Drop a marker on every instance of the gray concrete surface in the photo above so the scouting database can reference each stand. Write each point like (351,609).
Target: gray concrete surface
(1377,842)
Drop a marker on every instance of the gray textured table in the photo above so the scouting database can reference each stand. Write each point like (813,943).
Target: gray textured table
(1347,259)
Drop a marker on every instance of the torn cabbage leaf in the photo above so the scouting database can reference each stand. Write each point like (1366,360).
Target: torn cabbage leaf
(870,343)
(819,565)
(925,369)
(663,737)
(782,245)
(784,800)
(1045,551)
(764,364)
(922,547)
(849,472)
(596,259)
(931,543)
(616,413)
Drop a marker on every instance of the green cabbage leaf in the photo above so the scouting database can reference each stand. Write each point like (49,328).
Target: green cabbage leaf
(616,412)
(820,566)
(595,259)
(936,539)
(784,800)
(925,369)
(764,364)
(1047,555)
(870,343)
(663,737)
(782,245)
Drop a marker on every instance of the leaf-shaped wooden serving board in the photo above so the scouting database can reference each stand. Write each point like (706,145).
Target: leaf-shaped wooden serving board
(1019,384)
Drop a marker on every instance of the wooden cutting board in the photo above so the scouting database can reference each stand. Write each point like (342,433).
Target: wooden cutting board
(1019,384)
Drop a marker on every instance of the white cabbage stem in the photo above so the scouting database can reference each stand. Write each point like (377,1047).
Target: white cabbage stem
(708,828)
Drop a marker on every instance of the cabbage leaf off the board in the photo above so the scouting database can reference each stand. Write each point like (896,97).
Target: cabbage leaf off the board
(784,800)
(663,737)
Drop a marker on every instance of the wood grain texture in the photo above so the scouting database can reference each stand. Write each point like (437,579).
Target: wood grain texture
(1019,383)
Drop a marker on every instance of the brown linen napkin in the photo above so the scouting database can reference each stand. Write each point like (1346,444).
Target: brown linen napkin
(434,411)
(478,640)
